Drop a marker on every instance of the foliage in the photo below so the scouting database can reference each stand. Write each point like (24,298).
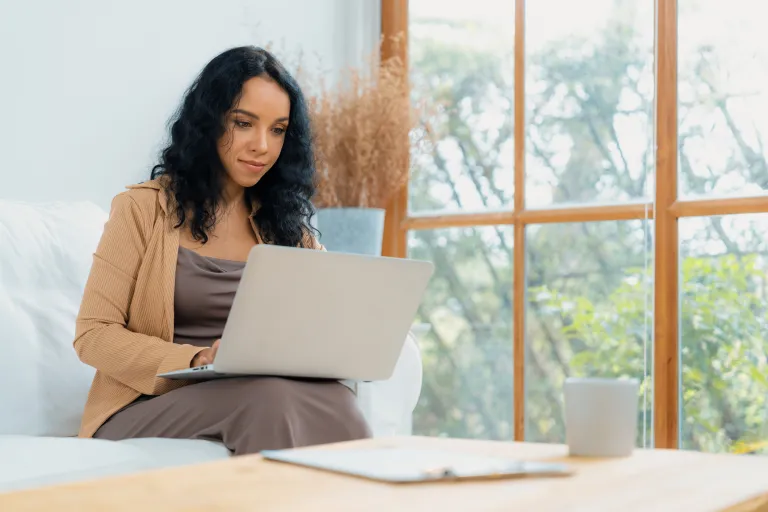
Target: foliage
(725,388)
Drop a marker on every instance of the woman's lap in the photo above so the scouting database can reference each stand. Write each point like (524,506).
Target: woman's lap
(247,414)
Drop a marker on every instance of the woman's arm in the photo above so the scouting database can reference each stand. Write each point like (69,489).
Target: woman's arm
(101,337)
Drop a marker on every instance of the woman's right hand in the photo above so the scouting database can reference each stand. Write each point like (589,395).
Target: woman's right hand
(206,356)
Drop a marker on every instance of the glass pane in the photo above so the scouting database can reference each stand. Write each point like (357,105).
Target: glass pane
(588,314)
(464,330)
(589,101)
(722,97)
(724,333)
(462,66)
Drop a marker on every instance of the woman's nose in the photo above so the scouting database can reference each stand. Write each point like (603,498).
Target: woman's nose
(259,143)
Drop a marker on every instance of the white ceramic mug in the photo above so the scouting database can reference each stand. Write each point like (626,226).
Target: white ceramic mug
(600,416)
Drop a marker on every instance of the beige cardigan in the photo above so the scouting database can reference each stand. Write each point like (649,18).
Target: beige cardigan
(125,325)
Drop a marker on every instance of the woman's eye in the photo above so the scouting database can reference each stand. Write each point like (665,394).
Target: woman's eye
(242,124)
(278,130)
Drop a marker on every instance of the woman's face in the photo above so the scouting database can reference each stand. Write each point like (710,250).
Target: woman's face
(254,131)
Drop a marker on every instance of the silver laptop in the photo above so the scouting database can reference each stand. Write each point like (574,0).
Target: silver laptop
(309,313)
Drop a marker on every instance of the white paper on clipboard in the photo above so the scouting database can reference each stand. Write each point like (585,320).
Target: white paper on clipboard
(408,465)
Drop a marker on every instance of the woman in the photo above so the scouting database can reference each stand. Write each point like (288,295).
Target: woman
(238,172)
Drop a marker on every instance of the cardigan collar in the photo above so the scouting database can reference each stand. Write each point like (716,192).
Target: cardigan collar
(160,184)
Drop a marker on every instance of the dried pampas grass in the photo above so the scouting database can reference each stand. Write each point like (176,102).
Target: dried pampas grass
(363,132)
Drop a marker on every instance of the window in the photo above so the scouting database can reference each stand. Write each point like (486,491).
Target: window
(724,321)
(461,56)
(588,313)
(465,332)
(594,205)
(723,99)
(589,99)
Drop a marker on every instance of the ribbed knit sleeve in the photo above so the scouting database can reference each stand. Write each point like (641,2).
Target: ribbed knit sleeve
(101,337)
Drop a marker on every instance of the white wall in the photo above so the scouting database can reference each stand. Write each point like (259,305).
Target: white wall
(87,86)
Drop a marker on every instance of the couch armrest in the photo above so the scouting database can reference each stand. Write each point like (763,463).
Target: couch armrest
(388,405)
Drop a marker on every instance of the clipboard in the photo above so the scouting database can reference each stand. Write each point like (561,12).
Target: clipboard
(408,465)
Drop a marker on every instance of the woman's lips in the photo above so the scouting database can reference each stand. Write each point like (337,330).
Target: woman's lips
(254,166)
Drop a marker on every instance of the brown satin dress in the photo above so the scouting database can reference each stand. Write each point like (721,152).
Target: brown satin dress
(247,414)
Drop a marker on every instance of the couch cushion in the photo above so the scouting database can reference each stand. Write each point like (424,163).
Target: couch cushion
(389,404)
(45,256)
(176,452)
(27,462)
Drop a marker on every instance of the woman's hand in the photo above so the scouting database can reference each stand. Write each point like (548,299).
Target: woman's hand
(206,356)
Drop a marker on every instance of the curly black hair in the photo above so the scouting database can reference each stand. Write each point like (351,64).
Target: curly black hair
(194,171)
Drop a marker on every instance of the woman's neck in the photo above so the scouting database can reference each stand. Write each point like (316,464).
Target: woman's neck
(232,195)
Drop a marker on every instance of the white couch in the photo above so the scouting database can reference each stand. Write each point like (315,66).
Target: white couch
(45,256)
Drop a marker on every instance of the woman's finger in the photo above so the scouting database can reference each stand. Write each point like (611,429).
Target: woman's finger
(205,358)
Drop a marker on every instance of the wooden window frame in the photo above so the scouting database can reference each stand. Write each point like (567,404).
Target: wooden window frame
(665,210)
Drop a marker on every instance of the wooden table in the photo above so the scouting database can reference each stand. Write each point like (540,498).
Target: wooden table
(649,481)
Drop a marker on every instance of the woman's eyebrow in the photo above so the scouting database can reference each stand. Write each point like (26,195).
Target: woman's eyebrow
(254,116)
